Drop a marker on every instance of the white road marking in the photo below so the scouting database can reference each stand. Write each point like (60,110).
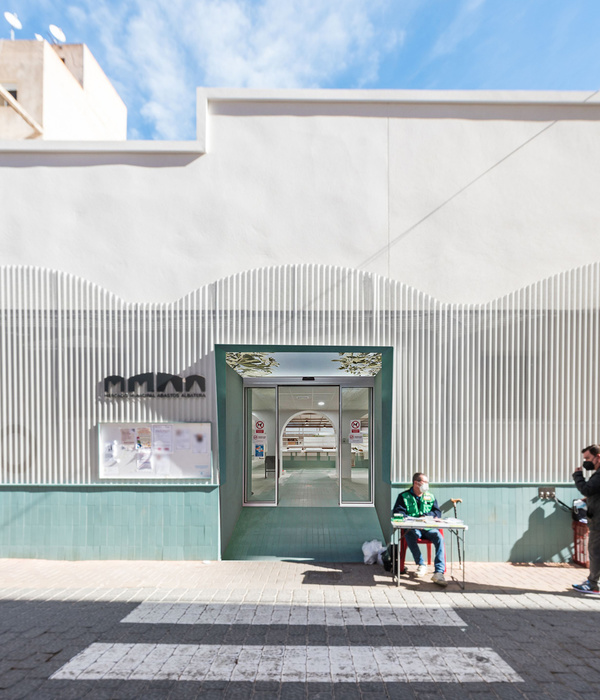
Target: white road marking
(282,614)
(316,664)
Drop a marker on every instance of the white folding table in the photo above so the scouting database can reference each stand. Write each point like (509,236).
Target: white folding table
(456,528)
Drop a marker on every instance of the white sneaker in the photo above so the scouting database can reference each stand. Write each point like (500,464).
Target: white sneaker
(439,579)
(421,570)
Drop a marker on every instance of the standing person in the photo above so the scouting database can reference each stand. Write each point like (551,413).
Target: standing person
(417,501)
(591,490)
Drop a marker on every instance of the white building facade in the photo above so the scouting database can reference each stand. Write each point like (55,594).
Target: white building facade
(454,234)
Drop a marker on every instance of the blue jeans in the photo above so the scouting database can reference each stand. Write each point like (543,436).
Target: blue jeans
(433,536)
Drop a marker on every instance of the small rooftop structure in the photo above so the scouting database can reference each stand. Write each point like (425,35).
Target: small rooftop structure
(57,92)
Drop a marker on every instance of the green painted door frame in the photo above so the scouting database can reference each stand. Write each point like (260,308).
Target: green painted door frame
(231,414)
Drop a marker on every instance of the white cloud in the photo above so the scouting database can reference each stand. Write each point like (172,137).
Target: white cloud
(161,67)
(275,43)
(463,26)
(163,49)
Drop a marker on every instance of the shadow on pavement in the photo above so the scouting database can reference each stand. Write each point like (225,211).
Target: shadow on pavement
(554,651)
(350,574)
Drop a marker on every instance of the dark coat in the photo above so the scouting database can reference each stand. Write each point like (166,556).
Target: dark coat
(591,490)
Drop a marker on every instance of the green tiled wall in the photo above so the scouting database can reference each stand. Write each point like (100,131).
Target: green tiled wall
(506,523)
(109,523)
(231,447)
(382,426)
(509,523)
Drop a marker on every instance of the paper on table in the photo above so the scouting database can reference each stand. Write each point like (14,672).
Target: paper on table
(427,520)
(422,520)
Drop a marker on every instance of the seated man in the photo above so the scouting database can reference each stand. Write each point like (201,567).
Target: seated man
(415,502)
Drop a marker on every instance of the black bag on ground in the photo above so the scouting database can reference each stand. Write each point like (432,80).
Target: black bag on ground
(387,556)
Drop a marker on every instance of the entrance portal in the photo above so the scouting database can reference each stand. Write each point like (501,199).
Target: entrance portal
(304,450)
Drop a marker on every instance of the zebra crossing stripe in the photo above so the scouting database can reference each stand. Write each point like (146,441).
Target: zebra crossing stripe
(273,614)
(345,664)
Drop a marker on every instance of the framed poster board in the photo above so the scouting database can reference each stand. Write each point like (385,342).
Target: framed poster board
(155,451)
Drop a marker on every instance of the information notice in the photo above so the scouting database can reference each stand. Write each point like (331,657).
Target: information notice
(155,451)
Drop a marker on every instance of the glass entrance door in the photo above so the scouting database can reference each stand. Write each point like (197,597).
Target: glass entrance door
(308,445)
(356,482)
(261,465)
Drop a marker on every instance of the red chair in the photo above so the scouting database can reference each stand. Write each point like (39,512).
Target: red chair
(404,545)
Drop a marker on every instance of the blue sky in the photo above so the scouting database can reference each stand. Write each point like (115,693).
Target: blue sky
(156,52)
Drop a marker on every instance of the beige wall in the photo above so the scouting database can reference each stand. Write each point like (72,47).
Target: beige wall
(90,109)
(21,64)
(71,100)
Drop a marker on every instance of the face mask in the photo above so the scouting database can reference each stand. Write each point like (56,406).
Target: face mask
(590,466)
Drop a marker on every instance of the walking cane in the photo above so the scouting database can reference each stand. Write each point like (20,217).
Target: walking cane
(454,502)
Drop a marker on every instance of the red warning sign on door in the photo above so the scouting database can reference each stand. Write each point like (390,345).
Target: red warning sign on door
(260,426)
(355,426)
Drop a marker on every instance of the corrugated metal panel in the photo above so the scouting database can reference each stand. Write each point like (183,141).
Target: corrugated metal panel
(502,392)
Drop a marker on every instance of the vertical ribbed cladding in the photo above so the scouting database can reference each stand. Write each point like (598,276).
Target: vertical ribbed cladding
(506,392)
(501,392)
(593,347)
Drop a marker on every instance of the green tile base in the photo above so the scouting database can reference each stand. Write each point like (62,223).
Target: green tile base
(506,523)
(312,534)
(509,523)
(109,523)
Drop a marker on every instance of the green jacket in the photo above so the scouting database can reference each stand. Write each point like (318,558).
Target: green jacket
(408,504)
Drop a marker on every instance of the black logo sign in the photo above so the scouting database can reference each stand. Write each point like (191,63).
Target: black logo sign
(151,385)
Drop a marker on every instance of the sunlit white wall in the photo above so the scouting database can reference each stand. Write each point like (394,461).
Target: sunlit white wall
(464,196)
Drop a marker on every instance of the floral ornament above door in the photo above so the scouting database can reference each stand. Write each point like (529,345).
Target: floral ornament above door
(362,364)
(251,364)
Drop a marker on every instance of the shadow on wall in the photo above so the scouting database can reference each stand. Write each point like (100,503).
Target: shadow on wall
(549,537)
(89,159)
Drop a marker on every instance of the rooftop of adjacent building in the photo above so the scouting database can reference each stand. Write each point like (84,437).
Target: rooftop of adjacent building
(57,92)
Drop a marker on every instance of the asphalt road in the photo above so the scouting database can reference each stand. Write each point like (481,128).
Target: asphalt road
(331,634)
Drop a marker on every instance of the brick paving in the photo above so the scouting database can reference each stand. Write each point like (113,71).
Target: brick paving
(284,630)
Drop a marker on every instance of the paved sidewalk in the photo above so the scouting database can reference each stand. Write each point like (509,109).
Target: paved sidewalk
(279,630)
